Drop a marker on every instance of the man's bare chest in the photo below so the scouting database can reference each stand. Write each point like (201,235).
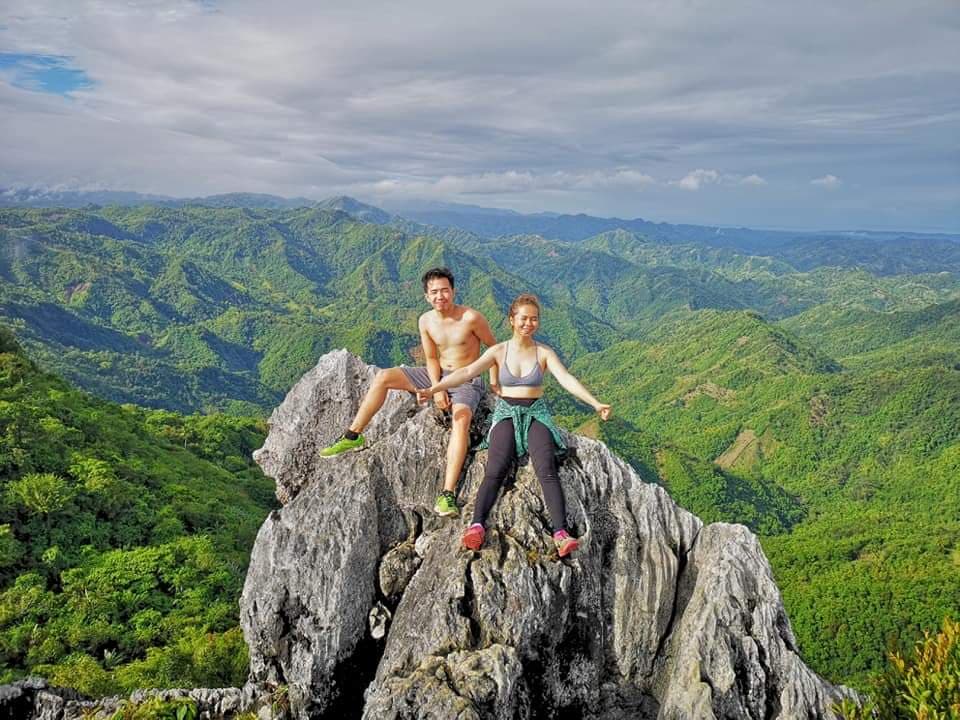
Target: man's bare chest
(454,334)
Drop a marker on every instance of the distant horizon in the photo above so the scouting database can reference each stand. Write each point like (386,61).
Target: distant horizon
(420,204)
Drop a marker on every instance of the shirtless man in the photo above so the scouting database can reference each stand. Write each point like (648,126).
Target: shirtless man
(451,336)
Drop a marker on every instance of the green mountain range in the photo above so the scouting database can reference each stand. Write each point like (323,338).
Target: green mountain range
(851,475)
(201,308)
(817,402)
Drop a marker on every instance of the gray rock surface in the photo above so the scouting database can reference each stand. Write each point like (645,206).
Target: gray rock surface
(656,616)
(34,699)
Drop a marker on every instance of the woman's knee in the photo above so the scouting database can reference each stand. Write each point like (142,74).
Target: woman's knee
(502,451)
(542,449)
(497,467)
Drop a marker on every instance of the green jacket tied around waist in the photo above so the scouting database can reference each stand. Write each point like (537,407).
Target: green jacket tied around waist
(522,418)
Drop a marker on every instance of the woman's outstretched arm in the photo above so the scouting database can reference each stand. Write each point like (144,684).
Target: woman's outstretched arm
(458,377)
(573,386)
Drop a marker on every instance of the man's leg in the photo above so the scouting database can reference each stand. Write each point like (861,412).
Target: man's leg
(389,379)
(383,381)
(461,415)
(457,446)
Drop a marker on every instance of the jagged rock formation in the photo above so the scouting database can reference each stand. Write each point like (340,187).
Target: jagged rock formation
(361,602)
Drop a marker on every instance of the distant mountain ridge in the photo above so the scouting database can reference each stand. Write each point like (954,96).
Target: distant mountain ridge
(483,221)
(39,197)
(493,222)
(883,253)
(75,199)
(124,301)
(361,211)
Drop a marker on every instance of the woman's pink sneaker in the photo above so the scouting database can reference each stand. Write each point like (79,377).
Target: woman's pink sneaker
(473,537)
(565,543)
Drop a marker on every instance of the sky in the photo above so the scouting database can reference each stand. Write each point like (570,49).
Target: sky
(813,115)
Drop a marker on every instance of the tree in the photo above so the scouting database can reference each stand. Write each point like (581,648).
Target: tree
(925,685)
(40,493)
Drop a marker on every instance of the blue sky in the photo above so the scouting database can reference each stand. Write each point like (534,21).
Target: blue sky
(42,73)
(821,116)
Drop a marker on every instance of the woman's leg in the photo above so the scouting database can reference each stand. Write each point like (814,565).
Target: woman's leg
(503,450)
(543,454)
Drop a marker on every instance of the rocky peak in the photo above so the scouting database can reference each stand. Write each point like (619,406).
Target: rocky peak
(360,601)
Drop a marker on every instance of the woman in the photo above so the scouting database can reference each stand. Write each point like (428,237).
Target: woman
(521,422)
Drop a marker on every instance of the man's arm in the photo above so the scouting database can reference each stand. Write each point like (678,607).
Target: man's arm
(432,356)
(482,330)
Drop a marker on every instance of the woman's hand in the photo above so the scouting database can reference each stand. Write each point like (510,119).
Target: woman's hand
(495,389)
(424,395)
(603,410)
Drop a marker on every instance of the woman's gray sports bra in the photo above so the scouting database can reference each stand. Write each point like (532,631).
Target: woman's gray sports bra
(534,378)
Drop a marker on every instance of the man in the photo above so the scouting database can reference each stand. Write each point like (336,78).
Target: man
(451,336)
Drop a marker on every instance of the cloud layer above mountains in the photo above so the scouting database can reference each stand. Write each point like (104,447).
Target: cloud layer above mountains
(743,112)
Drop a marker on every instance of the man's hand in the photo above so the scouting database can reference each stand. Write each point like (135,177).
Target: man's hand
(603,410)
(442,400)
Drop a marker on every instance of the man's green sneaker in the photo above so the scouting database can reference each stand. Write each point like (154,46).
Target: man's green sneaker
(446,504)
(342,445)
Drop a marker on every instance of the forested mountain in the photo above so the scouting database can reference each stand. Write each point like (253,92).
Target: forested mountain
(124,536)
(861,466)
(223,308)
(198,308)
(884,253)
(908,337)
(816,400)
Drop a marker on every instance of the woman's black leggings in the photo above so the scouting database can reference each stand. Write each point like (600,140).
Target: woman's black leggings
(503,451)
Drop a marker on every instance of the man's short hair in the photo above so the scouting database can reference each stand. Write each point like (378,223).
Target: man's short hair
(436,274)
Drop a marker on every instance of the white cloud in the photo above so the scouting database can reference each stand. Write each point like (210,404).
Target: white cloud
(696,179)
(828,181)
(506,183)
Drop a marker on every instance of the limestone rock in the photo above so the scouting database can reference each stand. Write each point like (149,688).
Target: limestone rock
(655,616)
(396,569)
(379,619)
(466,685)
(33,698)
